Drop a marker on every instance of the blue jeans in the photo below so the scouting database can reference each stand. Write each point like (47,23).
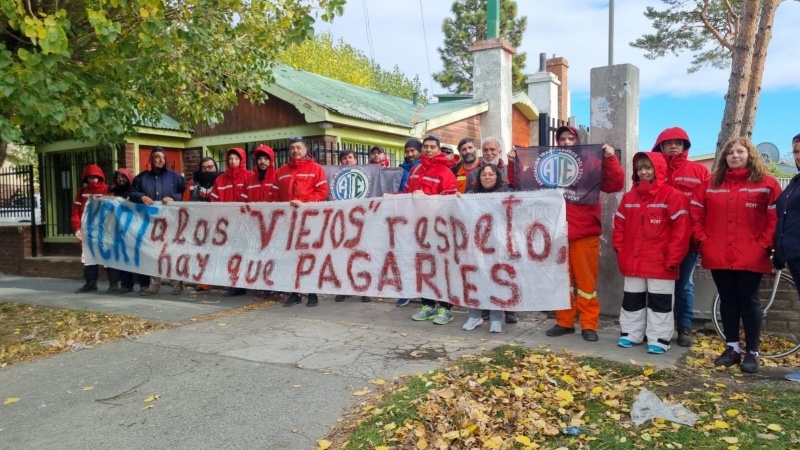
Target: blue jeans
(684,291)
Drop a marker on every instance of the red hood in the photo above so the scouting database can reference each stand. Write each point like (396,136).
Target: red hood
(93,170)
(660,166)
(440,159)
(127,173)
(265,150)
(237,172)
(670,134)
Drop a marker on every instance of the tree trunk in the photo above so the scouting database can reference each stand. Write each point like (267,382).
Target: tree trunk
(763,36)
(3,152)
(739,81)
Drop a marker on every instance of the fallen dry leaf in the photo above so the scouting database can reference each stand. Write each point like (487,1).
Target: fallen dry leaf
(10,400)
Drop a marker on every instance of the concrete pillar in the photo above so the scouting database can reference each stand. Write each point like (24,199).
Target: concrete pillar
(491,81)
(543,91)
(614,120)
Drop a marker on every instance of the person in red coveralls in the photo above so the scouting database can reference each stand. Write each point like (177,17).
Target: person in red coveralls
(95,187)
(583,234)
(262,187)
(688,177)
(301,180)
(734,222)
(433,177)
(231,186)
(651,238)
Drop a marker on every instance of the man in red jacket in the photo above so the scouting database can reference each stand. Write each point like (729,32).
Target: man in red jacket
(301,180)
(688,177)
(583,235)
(95,187)
(433,177)
(262,185)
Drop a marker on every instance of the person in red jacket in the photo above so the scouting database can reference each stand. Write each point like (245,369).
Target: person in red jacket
(433,177)
(231,185)
(651,238)
(301,180)
(95,187)
(734,222)
(262,185)
(688,177)
(378,156)
(583,235)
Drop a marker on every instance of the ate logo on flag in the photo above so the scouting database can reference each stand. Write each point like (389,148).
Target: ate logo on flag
(350,183)
(558,167)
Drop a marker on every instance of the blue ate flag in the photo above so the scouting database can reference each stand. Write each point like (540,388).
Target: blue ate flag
(576,169)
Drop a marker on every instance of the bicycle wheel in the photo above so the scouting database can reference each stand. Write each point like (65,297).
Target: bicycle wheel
(780,330)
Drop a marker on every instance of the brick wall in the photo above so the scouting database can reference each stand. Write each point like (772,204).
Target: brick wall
(16,257)
(191,161)
(559,67)
(520,129)
(126,157)
(454,132)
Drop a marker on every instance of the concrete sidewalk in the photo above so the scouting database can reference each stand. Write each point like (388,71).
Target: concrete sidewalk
(272,378)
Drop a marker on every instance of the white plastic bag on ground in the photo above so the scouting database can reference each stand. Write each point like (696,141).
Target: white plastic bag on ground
(649,406)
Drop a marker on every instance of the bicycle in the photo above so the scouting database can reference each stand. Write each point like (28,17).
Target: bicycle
(778,343)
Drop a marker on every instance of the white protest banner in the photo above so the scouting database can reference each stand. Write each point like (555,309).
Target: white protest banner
(493,251)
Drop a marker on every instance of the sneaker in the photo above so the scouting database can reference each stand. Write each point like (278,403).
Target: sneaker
(113,288)
(625,343)
(472,324)
(656,349)
(89,286)
(293,299)
(794,376)
(177,288)
(728,358)
(313,300)
(511,317)
(124,290)
(443,317)
(558,330)
(365,299)
(425,313)
(495,327)
(589,335)
(750,363)
(232,292)
(151,290)
(402,301)
(260,296)
(685,336)
(200,289)
(340,298)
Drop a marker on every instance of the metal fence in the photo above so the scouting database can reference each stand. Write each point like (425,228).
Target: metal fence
(18,199)
(61,178)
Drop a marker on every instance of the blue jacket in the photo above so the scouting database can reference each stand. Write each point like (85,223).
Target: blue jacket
(158,184)
(406,170)
(787,230)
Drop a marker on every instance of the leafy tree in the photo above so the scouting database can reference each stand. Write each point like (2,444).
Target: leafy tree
(343,62)
(90,69)
(731,34)
(469,26)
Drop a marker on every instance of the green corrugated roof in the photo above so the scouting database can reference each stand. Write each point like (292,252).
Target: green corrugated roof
(166,123)
(361,103)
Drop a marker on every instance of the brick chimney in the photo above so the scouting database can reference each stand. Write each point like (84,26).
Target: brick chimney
(559,67)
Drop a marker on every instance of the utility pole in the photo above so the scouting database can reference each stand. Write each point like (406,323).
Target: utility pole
(610,32)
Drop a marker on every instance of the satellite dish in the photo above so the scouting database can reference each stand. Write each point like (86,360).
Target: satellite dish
(769,152)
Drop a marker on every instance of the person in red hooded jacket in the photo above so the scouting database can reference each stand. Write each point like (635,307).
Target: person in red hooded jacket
(301,180)
(583,234)
(734,222)
(651,237)
(95,187)
(231,185)
(262,185)
(433,177)
(688,177)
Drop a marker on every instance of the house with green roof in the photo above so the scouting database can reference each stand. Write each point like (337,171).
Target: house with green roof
(329,114)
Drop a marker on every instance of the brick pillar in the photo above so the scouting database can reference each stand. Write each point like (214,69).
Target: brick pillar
(126,157)
(559,67)
(191,161)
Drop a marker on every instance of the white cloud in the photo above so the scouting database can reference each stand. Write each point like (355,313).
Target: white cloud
(575,29)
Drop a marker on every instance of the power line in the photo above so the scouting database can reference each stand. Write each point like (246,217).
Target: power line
(425,37)
(369,33)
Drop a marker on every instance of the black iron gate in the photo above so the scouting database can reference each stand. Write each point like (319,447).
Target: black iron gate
(18,199)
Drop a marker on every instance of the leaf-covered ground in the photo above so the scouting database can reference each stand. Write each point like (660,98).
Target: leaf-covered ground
(517,398)
(29,331)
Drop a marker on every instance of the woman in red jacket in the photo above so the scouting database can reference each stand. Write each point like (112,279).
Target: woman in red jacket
(734,223)
(95,187)
(651,238)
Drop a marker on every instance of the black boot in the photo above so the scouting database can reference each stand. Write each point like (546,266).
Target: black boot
(88,287)
(312,300)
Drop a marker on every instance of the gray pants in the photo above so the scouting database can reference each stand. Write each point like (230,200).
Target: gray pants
(495,315)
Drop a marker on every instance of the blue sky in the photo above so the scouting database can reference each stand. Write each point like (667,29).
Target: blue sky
(406,33)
